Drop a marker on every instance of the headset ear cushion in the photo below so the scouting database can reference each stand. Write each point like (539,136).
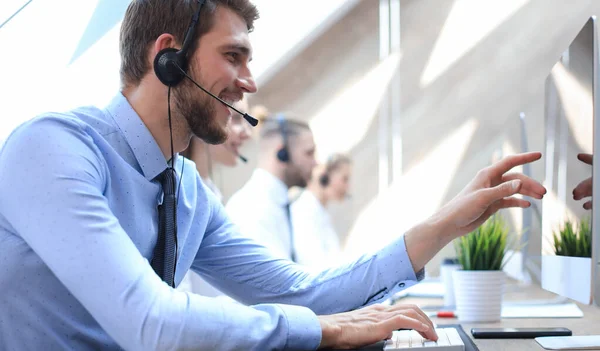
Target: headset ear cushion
(283,155)
(165,70)
(324,179)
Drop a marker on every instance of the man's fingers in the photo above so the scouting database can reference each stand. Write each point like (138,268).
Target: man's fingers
(513,202)
(526,192)
(400,321)
(424,318)
(510,162)
(506,189)
(583,189)
(588,205)
(586,158)
(530,187)
(414,311)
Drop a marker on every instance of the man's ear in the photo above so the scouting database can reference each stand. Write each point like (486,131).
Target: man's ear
(279,145)
(163,41)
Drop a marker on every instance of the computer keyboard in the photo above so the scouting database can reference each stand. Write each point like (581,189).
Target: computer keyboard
(448,340)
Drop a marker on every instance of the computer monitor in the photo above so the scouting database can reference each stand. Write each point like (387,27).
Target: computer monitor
(571,122)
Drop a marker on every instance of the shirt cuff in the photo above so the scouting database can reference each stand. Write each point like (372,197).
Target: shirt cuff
(396,271)
(304,328)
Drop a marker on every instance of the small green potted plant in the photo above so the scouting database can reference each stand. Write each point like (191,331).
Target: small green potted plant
(479,284)
(571,242)
(568,272)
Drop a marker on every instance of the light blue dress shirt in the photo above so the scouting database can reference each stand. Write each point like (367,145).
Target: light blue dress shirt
(78,225)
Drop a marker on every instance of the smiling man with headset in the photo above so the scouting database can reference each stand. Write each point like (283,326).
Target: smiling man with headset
(100,218)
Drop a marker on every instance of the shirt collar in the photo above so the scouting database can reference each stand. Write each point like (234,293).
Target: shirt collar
(313,198)
(272,185)
(140,140)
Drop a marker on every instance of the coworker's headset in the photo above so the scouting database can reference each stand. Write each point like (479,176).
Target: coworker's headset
(330,164)
(324,178)
(283,154)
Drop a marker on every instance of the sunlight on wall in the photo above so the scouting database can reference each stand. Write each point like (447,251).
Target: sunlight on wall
(44,80)
(468,22)
(579,110)
(354,108)
(285,27)
(413,197)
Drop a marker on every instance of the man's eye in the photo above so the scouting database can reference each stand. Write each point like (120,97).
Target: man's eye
(233,56)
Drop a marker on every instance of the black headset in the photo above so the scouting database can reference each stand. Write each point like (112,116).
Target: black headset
(324,179)
(329,166)
(170,65)
(283,154)
(168,61)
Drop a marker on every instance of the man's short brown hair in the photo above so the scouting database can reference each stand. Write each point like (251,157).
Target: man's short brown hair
(146,20)
(277,124)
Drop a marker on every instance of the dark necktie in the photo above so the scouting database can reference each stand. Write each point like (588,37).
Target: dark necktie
(289,220)
(165,251)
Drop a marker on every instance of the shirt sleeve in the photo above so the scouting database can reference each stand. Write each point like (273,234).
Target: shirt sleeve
(53,171)
(245,270)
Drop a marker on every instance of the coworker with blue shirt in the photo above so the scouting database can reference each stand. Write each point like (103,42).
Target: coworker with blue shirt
(79,218)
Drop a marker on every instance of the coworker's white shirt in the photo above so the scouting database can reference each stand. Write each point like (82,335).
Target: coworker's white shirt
(258,208)
(316,241)
(192,281)
(209,184)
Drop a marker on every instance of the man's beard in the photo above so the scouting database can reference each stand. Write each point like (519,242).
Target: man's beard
(293,177)
(199,113)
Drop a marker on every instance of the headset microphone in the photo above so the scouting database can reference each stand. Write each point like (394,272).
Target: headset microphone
(235,153)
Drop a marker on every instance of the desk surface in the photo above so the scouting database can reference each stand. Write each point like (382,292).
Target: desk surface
(588,325)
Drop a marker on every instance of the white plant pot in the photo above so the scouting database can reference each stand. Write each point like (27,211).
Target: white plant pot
(478,295)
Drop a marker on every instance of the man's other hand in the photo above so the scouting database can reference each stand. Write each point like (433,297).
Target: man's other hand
(492,189)
(584,189)
(371,324)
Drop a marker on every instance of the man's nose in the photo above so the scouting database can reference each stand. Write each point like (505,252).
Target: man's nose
(247,83)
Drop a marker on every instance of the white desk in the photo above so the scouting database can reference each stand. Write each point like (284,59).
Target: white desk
(588,325)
